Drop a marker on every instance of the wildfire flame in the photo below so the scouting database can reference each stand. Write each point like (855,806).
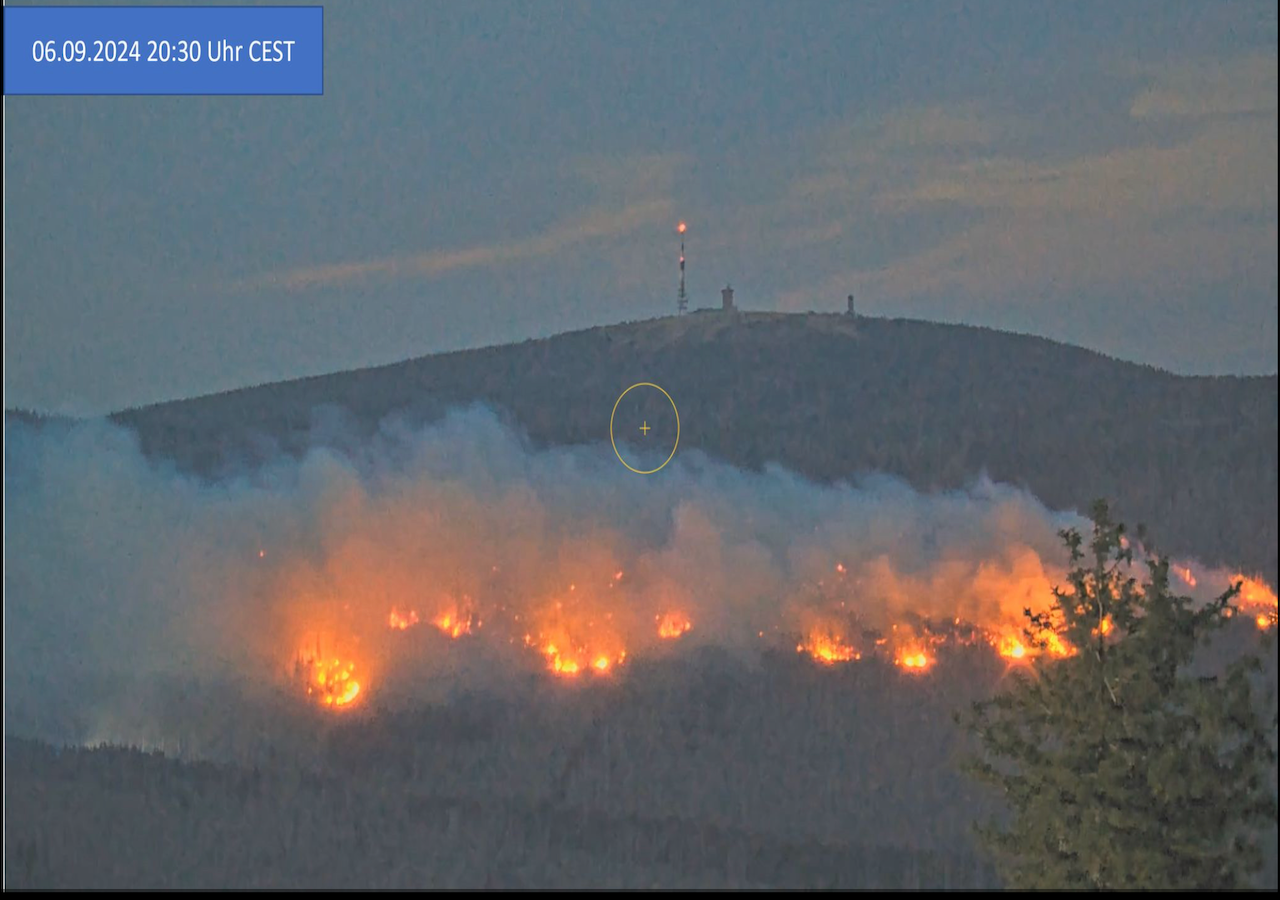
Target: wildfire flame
(1010,648)
(914,661)
(401,621)
(828,647)
(1258,599)
(452,624)
(330,681)
(450,621)
(672,625)
(584,628)
(570,661)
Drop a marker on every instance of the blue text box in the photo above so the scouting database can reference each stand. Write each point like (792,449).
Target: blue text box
(164,50)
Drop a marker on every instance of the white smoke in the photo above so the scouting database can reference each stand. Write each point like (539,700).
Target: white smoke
(122,573)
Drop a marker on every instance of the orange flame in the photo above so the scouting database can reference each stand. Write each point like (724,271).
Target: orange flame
(401,621)
(584,628)
(561,666)
(828,647)
(1185,573)
(914,660)
(565,659)
(452,624)
(672,625)
(1257,597)
(1011,648)
(331,681)
(1058,647)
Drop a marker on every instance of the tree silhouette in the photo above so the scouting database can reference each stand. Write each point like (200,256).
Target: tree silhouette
(1121,766)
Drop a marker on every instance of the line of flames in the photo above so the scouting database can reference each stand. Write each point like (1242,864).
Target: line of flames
(332,682)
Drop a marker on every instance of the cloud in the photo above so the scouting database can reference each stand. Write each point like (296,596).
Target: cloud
(1037,258)
(1244,86)
(907,132)
(592,225)
(1227,166)
(1169,188)
(627,194)
(631,178)
(935,126)
(1005,217)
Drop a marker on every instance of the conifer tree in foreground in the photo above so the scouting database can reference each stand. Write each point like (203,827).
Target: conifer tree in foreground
(1119,766)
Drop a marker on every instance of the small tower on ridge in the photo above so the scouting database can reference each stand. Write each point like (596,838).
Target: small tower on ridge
(682,299)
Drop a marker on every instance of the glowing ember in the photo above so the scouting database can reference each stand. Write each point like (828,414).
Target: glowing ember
(681,228)
(1058,647)
(401,621)
(1011,648)
(567,661)
(1257,597)
(827,646)
(453,625)
(672,625)
(914,661)
(1185,573)
(331,682)
(1254,592)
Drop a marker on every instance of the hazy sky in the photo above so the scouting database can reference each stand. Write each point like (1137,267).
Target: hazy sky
(481,172)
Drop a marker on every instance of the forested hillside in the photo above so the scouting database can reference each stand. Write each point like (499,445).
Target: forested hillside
(709,769)
(1193,458)
(708,773)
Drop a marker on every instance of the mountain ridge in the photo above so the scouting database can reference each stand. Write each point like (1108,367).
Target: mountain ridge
(697,315)
(830,397)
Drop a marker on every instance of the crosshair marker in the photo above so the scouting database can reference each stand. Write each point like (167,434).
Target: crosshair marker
(646,428)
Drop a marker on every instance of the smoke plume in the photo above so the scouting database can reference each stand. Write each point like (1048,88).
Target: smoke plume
(457,557)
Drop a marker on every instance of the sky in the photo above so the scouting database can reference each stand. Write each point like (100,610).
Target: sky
(484,172)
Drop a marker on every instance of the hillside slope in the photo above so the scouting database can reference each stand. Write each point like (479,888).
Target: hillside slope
(1193,457)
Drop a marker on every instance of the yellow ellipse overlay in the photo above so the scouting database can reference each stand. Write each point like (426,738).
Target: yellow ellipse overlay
(615,412)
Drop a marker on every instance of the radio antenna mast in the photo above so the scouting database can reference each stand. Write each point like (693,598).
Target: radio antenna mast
(682,300)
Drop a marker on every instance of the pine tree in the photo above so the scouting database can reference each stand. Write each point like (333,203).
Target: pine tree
(1120,766)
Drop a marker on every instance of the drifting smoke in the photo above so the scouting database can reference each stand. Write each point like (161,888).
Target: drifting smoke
(449,558)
